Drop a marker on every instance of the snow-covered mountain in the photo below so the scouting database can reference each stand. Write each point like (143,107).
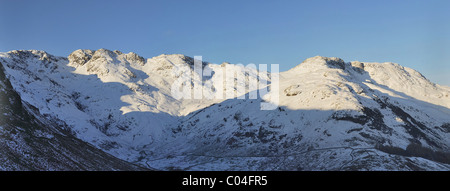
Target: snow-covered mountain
(29,143)
(332,115)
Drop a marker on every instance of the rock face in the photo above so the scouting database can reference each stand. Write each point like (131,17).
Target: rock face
(332,115)
(80,57)
(133,57)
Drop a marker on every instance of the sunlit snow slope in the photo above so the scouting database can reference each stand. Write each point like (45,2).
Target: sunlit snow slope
(332,115)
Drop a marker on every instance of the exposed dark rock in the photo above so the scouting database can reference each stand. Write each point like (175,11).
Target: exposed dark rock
(446,127)
(372,117)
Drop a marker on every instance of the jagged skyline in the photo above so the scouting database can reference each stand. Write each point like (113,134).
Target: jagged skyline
(332,114)
(410,33)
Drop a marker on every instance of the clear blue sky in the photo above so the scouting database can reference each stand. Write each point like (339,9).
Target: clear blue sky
(412,33)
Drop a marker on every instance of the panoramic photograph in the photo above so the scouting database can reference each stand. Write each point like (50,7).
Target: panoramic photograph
(224,86)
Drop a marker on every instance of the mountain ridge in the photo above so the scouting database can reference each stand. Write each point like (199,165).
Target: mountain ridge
(332,114)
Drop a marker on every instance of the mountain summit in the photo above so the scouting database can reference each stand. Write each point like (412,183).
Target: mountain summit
(332,114)
(320,62)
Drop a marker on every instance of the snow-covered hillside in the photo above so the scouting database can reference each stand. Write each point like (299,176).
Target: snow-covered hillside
(332,115)
(118,102)
(29,143)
